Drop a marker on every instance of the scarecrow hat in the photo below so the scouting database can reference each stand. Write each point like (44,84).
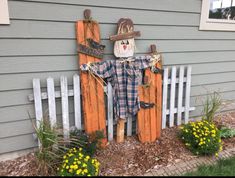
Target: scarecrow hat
(125,30)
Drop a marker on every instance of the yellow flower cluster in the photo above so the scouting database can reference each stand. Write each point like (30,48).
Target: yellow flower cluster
(202,136)
(75,163)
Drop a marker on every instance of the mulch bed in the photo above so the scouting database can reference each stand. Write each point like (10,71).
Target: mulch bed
(130,157)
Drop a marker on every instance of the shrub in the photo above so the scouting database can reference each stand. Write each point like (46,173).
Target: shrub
(52,147)
(201,137)
(227,132)
(76,163)
(91,142)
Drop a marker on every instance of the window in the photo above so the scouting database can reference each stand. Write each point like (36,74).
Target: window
(218,15)
(4,15)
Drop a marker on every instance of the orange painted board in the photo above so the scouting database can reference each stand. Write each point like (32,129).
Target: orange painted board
(158,80)
(146,122)
(92,92)
(149,120)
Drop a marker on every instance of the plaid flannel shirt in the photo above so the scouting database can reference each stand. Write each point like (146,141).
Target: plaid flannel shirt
(125,75)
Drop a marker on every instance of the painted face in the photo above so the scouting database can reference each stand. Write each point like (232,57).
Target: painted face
(124,48)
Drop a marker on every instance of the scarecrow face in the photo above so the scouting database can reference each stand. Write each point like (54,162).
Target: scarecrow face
(124,48)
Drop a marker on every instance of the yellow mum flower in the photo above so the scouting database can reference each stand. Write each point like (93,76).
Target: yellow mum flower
(84,165)
(66,161)
(78,171)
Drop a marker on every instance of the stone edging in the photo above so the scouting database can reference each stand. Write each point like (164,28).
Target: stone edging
(183,167)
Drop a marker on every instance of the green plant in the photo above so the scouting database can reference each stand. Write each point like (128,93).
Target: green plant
(227,132)
(52,147)
(211,106)
(46,155)
(76,163)
(91,142)
(201,137)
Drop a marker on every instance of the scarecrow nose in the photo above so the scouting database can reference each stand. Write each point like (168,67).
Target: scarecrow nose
(124,47)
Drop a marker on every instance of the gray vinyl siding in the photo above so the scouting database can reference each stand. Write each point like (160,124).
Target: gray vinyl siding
(41,42)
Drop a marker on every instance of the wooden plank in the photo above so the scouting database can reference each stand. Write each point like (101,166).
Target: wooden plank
(44,95)
(65,30)
(24,80)
(51,101)
(11,129)
(172,96)
(120,130)
(129,126)
(37,104)
(158,80)
(77,102)
(110,112)
(65,110)
(187,98)
(153,111)
(175,110)
(10,47)
(17,143)
(180,95)
(140,117)
(93,94)
(46,64)
(164,97)
(70,14)
(176,5)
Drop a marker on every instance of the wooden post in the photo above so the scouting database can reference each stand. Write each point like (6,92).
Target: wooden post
(120,130)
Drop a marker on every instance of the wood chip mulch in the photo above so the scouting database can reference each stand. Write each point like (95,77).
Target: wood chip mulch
(130,157)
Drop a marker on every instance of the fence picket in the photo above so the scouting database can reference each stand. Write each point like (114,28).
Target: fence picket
(77,101)
(65,110)
(37,103)
(110,113)
(51,101)
(129,126)
(180,95)
(172,96)
(164,97)
(187,97)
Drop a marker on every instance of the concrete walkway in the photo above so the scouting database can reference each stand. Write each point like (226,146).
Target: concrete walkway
(181,168)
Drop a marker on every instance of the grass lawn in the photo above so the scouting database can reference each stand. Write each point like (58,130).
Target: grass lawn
(224,167)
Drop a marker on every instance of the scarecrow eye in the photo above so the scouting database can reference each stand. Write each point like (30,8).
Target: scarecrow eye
(122,42)
(127,42)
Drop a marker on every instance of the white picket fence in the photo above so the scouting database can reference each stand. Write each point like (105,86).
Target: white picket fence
(169,117)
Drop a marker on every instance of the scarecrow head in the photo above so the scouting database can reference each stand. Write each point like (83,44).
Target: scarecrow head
(124,45)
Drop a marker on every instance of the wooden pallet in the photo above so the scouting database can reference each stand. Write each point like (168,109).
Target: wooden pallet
(149,120)
(93,101)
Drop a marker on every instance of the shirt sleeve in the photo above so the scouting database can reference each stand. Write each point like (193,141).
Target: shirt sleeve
(104,69)
(144,62)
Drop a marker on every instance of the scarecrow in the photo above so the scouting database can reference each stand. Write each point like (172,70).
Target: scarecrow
(124,73)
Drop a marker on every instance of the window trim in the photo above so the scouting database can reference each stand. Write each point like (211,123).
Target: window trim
(4,12)
(213,24)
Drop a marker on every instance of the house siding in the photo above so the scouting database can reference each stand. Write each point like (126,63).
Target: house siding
(41,42)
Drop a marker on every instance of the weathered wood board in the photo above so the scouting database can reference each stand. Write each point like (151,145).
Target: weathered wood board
(149,119)
(92,92)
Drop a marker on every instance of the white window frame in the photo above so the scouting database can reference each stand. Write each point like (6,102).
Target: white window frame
(214,24)
(4,13)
